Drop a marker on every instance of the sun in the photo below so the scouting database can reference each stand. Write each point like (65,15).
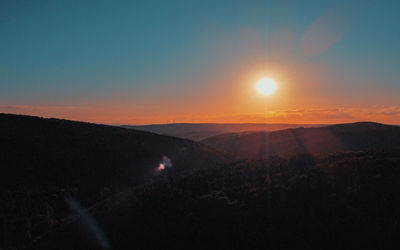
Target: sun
(266,86)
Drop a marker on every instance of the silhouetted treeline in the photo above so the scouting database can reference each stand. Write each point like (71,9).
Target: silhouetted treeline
(347,200)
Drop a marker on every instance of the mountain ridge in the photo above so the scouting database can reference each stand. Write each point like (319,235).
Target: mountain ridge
(201,131)
(359,136)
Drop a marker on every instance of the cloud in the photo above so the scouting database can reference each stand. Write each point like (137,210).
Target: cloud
(321,116)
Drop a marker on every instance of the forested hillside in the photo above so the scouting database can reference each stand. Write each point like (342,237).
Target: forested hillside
(340,201)
(362,136)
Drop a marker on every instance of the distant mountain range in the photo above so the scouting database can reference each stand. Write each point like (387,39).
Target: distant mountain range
(201,131)
(363,136)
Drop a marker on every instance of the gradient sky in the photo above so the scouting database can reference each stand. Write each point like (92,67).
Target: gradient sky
(139,62)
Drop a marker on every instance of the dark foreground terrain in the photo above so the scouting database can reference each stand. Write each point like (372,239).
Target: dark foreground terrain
(341,200)
(42,161)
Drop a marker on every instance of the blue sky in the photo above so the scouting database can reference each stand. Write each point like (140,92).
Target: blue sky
(89,53)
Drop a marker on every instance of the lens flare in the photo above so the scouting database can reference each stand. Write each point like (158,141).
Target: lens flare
(161,166)
(166,163)
(87,221)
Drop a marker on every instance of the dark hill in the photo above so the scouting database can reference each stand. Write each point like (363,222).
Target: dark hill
(37,152)
(363,136)
(43,162)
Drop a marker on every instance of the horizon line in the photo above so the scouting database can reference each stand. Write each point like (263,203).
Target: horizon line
(195,123)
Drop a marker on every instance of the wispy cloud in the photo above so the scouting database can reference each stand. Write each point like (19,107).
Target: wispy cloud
(382,114)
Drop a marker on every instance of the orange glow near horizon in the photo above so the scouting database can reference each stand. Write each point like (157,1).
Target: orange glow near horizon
(229,96)
(301,99)
(117,116)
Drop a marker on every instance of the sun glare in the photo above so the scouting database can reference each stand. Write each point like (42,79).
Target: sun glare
(266,86)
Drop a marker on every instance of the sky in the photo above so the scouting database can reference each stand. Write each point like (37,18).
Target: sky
(142,62)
